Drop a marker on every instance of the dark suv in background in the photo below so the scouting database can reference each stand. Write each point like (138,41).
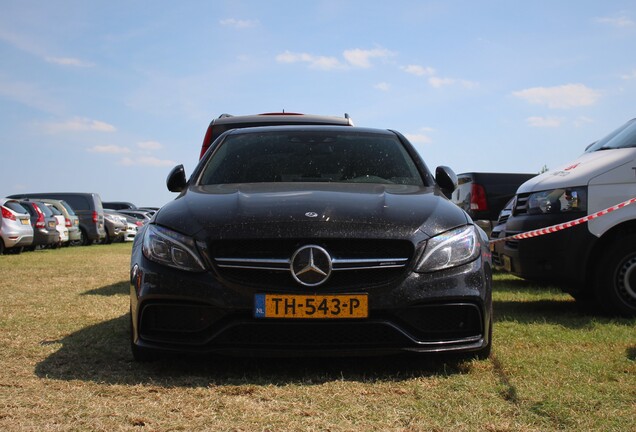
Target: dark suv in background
(87,206)
(226,122)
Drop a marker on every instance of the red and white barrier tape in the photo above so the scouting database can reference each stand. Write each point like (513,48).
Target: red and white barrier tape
(562,226)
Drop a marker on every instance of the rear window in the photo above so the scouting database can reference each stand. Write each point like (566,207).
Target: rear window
(310,156)
(68,208)
(16,207)
(45,209)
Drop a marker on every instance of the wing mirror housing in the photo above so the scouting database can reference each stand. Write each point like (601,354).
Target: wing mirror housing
(446,179)
(176,180)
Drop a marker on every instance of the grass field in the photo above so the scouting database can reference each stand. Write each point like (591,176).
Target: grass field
(65,365)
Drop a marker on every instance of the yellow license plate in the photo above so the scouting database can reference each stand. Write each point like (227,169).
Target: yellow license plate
(25,221)
(311,306)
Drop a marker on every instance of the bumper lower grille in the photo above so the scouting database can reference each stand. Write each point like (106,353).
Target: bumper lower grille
(204,326)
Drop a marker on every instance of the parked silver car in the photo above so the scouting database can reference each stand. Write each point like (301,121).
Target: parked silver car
(71,220)
(16,232)
(115,226)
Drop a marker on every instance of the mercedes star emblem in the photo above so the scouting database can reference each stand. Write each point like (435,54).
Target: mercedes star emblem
(311,265)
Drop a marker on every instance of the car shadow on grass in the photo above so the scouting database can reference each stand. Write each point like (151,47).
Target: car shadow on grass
(101,353)
(546,304)
(110,290)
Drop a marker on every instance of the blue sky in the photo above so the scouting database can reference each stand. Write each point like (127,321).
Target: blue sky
(108,96)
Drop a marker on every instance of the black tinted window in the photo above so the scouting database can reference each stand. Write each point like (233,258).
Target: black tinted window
(311,157)
(15,207)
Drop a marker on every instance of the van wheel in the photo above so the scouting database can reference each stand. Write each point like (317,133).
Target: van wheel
(616,282)
(84,240)
(1,247)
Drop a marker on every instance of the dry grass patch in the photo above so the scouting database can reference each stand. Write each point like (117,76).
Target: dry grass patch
(66,365)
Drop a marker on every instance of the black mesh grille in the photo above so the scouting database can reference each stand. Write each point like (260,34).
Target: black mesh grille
(201,325)
(442,322)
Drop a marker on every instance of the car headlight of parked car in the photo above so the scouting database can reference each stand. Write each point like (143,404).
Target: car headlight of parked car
(558,201)
(450,249)
(172,249)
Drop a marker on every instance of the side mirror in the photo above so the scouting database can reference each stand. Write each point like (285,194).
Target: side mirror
(446,179)
(176,180)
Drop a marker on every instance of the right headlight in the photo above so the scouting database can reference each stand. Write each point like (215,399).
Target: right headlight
(450,249)
(170,248)
(558,201)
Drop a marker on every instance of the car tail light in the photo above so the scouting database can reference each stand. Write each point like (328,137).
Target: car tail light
(40,223)
(67,223)
(206,141)
(95,217)
(7,214)
(478,198)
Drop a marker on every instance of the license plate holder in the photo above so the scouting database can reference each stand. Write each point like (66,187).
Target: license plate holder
(319,306)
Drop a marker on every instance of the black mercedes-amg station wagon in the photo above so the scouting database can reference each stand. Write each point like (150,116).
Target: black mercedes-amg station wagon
(310,240)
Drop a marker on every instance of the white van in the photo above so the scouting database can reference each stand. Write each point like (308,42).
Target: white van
(593,261)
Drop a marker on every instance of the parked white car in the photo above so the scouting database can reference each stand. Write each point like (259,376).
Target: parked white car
(61,224)
(131,232)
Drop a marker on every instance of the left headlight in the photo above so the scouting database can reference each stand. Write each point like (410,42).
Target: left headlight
(170,248)
(558,201)
(450,249)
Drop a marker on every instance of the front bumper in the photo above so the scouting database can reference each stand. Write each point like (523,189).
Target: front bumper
(176,311)
(558,257)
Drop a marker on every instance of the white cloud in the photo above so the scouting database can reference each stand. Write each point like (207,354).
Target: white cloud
(316,62)
(69,61)
(565,96)
(420,138)
(434,80)
(620,22)
(238,23)
(629,76)
(439,82)
(544,121)
(149,145)
(362,58)
(355,58)
(382,86)
(79,124)
(110,149)
(147,161)
(419,70)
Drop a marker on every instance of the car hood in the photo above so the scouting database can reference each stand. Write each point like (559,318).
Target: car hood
(284,210)
(580,171)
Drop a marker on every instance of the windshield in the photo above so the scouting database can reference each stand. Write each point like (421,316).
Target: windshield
(310,156)
(623,137)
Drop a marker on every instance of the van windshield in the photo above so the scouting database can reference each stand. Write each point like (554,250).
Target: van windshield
(623,137)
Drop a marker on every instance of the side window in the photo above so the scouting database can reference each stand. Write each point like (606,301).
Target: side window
(78,202)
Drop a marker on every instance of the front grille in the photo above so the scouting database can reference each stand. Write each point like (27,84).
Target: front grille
(521,207)
(201,326)
(442,322)
(266,263)
(503,219)
(272,335)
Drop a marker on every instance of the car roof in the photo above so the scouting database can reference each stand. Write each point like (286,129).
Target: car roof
(310,128)
(283,117)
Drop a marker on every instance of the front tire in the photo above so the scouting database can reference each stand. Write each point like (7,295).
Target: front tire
(84,240)
(615,287)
